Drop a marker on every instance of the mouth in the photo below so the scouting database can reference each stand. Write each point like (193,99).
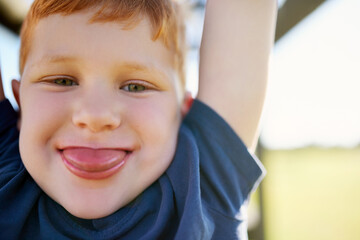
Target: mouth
(92,163)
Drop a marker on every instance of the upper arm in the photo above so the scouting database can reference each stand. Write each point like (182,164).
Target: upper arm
(237,40)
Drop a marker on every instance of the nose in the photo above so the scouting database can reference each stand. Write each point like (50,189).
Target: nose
(96,113)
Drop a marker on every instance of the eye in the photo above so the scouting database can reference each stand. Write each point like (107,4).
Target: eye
(64,82)
(132,87)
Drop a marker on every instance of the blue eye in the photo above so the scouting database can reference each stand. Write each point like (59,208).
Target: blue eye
(64,82)
(134,88)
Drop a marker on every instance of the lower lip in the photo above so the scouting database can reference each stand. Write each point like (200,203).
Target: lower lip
(93,175)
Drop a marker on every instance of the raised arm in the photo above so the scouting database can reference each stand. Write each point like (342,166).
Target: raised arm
(237,40)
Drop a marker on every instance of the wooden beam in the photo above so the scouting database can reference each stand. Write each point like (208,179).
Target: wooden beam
(293,12)
(7,21)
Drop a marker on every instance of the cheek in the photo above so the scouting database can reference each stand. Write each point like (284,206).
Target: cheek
(41,115)
(156,122)
(156,117)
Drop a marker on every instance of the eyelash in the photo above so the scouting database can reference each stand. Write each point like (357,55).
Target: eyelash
(64,80)
(134,87)
(68,82)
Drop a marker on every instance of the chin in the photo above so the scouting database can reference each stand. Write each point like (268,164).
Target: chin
(91,205)
(91,212)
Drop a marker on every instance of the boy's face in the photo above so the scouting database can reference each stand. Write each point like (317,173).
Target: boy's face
(100,112)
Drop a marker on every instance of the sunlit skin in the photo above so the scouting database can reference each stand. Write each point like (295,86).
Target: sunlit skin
(100,87)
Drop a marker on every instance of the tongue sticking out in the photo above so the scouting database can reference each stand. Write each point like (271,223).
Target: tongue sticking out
(94,160)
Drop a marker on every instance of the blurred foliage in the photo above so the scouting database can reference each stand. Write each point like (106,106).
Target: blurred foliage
(312,193)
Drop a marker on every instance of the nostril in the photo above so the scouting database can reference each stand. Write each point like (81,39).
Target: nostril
(81,125)
(96,119)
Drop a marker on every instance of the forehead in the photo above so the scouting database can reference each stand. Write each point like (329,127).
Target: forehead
(73,36)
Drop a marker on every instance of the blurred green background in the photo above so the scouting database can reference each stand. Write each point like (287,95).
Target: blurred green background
(312,193)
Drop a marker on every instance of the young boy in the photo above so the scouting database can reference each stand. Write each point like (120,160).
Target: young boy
(105,150)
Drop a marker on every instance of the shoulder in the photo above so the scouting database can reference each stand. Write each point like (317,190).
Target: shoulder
(10,162)
(226,166)
(8,116)
(212,174)
(216,139)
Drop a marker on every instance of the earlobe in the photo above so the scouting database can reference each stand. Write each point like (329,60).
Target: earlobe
(187,103)
(15,85)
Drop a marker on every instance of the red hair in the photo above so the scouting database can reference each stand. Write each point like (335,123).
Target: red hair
(164,16)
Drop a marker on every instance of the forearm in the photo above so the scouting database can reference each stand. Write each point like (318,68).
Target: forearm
(237,40)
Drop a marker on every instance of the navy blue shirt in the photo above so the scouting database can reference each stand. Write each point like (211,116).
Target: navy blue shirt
(202,195)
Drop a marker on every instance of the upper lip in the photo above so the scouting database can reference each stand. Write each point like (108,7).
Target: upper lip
(95,146)
(125,143)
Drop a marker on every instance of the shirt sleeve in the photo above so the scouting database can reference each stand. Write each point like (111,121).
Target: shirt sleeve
(228,172)
(9,136)
(8,116)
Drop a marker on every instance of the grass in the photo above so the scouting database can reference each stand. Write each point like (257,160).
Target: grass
(312,193)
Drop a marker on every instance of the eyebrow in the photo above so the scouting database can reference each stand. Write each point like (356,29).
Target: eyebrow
(132,66)
(58,58)
(139,67)
(54,59)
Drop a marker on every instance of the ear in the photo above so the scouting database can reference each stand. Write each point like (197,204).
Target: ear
(187,103)
(15,85)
